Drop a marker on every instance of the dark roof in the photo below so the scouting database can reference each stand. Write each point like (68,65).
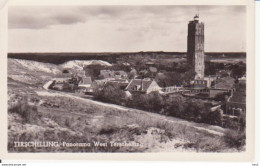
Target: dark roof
(238,97)
(144,84)
(227,79)
(121,85)
(225,83)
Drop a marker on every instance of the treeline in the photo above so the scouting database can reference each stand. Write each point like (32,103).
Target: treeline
(237,70)
(59,58)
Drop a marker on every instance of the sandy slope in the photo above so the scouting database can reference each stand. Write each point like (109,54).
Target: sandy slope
(33,66)
(79,64)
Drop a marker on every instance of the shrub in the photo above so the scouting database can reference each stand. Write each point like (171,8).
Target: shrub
(221,96)
(235,138)
(110,94)
(213,118)
(174,105)
(67,122)
(28,113)
(195,110)
(152,102)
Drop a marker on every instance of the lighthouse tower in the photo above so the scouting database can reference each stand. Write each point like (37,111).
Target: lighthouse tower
(195,52)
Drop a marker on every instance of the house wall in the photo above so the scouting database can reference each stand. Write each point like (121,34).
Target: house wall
(153,87)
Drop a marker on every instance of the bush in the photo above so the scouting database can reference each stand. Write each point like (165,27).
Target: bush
(213,118)
(235,138)
(110,94)
(195,110)
(221,96)
(28,113)
(152,102)
(174,105)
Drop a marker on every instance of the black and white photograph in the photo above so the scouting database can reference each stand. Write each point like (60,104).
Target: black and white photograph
(127,79)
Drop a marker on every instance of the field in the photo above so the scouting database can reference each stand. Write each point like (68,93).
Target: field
(37,114)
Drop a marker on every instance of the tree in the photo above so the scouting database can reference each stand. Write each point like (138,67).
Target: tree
(169,79)
(188,76)
(94,70)
(132,74)
(111,94)
(152,102)
(195,110)
(213,118)
(221,96)
(155,102)
(238,70)
(174,105)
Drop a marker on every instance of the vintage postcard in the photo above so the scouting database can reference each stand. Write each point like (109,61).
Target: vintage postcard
(168,80)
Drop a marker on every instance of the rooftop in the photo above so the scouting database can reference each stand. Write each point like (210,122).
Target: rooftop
(143,84)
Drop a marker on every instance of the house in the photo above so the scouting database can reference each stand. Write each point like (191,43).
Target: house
(200,84)
(120,74)
(62,80)
(107,74)
(98,84)
(242,80)
(85,82)
(110,74)
(210,80)
(143,86)
(223,73)
(236,103)
(150,64)
(121,84)
(222,85)
(81,73)
(170,89)
(225,83)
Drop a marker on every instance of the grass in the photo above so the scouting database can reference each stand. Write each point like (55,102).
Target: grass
(69,120)
(235,138)
(28,113)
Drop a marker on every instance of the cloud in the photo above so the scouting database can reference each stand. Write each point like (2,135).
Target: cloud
(122,28)
(42,17)
(36,17)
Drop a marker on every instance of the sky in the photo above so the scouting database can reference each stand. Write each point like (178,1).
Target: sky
(122,28)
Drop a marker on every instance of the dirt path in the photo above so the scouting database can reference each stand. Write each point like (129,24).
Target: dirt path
(216,130)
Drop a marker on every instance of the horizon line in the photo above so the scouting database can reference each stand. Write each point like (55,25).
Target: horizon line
(132,52)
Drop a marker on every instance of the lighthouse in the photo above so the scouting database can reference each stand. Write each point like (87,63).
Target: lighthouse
(195,47)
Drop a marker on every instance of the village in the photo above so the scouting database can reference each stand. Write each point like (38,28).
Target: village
(223,88)
(232,89)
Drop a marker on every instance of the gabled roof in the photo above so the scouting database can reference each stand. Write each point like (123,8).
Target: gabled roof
(143,84)
(121,85)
